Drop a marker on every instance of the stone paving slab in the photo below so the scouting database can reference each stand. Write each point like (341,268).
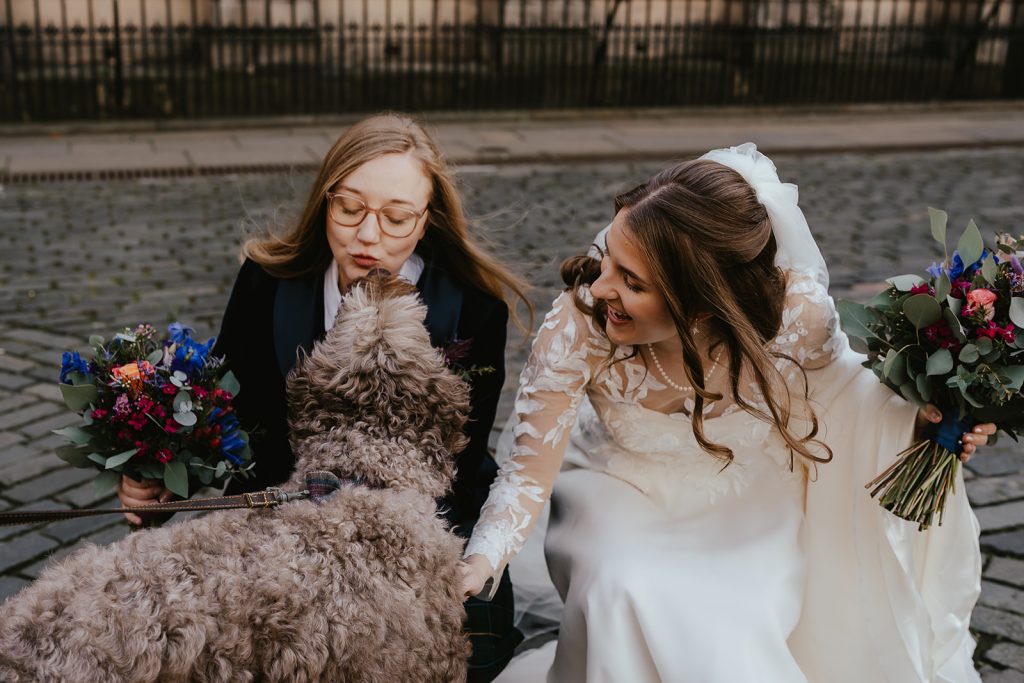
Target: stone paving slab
(81,258)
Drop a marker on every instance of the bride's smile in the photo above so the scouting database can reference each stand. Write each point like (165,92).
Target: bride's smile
(636,310)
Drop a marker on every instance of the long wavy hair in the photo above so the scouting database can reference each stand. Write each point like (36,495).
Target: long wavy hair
(303,250)
(711,252)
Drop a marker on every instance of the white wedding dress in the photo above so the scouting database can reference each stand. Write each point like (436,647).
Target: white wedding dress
(675,568)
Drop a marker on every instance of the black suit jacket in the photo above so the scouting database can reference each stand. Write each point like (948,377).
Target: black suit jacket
(268,320)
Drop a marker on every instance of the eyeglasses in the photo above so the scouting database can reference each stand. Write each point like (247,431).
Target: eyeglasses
(351,211)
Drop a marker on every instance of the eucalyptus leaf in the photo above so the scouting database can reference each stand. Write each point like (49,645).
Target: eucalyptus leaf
(96,340)
(105,482)
(120,459)
(100,460)
(956,305)
(222,467)
(923,387)
(854,318)
(1017,311)
(954,325)
(905,283)
(922,310)
(971,245)
(185,419)
(909,391)
(155,357)
(938,219)
(229,383)
(125,337)
(940,362)
(205,476)
(942,287)
(74,434)
(182,402)
(895,367)
(969,354)
(78,397)
(75,456)
(989,269)
(882,300)
(984,345)
(859,345)
(176,477)
(1015,375)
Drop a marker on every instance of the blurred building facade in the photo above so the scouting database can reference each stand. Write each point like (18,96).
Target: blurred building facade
(103,58)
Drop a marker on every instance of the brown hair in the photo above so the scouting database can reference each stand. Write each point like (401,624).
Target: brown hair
(709,243)
(304,250)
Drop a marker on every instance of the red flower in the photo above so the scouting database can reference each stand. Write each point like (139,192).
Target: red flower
(922,288)
(199,392)
(992,331)
(170,389)
(163,455)
(100,414)
(170,426)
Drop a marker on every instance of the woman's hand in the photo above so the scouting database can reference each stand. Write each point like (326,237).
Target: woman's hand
(134,493)
(475,572)
(971,440)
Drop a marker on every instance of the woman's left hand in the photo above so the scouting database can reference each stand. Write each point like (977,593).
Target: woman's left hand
(971,440)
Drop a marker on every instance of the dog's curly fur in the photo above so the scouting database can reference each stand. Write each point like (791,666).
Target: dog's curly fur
(363,586)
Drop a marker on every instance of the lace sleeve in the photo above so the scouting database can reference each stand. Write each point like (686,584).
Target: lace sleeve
(565,353)
(810,325)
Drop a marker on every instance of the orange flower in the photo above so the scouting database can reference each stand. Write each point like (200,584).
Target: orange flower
(131,374)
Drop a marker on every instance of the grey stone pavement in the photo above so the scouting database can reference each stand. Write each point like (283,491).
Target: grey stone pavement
(81,257)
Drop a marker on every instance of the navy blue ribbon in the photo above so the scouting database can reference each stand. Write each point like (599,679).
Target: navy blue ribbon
(950,431)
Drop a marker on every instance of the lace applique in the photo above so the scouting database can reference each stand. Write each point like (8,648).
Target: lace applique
(568,362)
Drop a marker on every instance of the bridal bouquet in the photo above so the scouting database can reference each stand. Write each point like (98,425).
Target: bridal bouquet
(153,408)
(955,339)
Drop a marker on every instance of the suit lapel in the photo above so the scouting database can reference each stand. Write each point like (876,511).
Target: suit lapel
(298,317)
(443,298)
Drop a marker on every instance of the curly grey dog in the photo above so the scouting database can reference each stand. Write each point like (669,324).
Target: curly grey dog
(360,586)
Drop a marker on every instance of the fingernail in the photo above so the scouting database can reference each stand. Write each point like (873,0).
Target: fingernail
(977,430)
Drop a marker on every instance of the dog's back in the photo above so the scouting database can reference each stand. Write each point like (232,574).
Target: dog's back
(362,585)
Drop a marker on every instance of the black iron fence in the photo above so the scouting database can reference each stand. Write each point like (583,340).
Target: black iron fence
(90,59)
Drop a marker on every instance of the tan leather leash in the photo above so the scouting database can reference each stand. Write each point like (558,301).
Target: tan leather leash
(269,498)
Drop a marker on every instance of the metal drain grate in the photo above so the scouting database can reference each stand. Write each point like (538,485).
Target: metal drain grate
(135,173)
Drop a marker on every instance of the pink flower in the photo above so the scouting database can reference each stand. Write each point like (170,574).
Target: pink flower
(922,288)
(164,455)
(981,299)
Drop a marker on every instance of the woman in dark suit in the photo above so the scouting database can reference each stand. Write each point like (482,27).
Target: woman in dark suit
(383,198)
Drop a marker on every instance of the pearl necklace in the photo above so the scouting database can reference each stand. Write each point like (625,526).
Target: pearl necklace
(668,380)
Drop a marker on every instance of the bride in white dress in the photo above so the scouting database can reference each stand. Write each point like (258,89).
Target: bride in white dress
(703,529)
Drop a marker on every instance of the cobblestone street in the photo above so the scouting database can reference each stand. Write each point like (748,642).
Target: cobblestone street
(89,257)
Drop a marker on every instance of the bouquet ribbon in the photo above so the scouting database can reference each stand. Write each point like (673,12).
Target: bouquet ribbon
(949,432)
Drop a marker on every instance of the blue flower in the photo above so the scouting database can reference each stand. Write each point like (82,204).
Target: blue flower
(190,356)
(957,269)
(232,441)
(936,269)
(71,362)
(180,333)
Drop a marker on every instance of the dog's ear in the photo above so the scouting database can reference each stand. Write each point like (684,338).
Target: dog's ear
(376,373)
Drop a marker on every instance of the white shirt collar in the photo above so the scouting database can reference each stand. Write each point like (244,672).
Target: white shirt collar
(410,271)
